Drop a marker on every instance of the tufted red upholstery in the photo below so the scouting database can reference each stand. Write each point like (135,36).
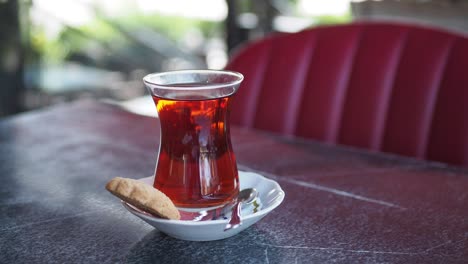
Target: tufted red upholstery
(386,87)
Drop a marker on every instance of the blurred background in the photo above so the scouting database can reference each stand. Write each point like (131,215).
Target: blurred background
(54,51)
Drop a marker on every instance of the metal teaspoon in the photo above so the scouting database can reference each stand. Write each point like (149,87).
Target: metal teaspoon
(246,196)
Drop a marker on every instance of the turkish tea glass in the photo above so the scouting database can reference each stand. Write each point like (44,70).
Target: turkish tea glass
(196,165)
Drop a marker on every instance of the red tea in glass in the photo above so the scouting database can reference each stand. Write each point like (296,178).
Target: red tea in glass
(196,165)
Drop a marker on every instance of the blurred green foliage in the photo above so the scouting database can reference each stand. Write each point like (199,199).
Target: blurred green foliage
(333,19)
(102,32)
(173,27)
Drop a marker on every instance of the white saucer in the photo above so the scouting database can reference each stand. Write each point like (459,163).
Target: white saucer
(270,196)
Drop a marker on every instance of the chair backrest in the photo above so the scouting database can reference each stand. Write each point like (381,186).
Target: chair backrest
(383,86)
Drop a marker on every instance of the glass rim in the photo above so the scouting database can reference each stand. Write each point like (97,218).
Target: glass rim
(196,86)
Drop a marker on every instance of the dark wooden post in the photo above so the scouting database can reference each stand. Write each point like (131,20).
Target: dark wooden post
(234,33)
(11,58)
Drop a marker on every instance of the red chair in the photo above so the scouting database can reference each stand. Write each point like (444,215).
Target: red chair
(387,87)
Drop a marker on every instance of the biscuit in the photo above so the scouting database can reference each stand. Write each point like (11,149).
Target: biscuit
(144,197)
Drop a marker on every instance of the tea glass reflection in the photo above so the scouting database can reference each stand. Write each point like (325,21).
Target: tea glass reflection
(196,165)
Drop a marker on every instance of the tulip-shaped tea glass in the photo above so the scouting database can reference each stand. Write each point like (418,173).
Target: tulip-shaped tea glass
(196,166)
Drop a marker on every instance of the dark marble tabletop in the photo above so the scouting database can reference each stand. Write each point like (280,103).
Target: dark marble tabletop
(342,205)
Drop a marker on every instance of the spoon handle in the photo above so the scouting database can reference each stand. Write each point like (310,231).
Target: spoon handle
(235,220)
